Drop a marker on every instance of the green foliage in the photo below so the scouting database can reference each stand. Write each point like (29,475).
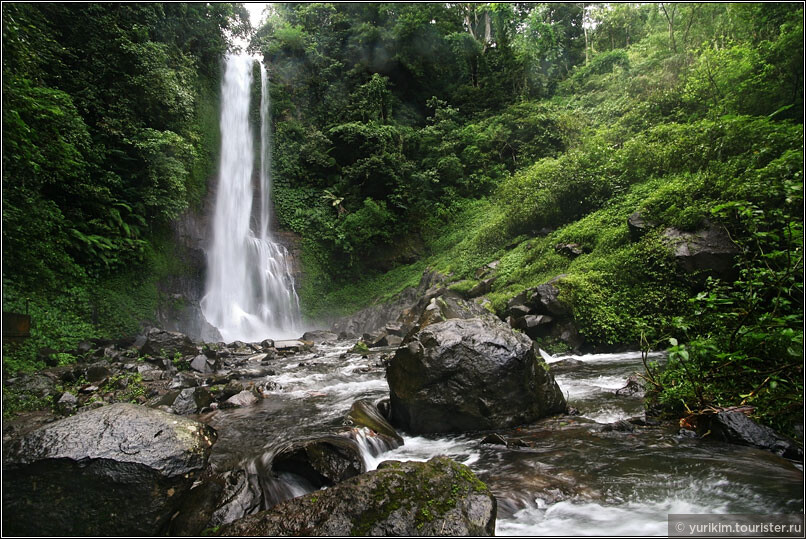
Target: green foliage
(110,127)
(751,328)
(15,401)
(105,140)
(360,348)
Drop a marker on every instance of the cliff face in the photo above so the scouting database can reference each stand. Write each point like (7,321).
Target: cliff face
(293,244)
(181,291)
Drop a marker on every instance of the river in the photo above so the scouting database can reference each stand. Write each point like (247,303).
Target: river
(564,475)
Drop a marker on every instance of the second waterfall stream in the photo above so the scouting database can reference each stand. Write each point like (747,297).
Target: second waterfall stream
(250,293)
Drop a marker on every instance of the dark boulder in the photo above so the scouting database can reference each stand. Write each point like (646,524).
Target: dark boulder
(484,287)
(233,387)
(708,250)
(467,375)
(168,344)
(67,403)
(449,306)
(139,342)
(516,311)
(364,413)
(322,461)
(121,469)
(556,324)
(633,387)
(183,380)
(48,356)
(394,329)
(164,401)
(240,399)
(196,512)
(494,439)
(571,250)
(438,497)
(566,331)
(201,363)
(279,474)
(98,372)
(192,400)
(534,325)
(386,341)
(735,427)
(544,299)
(36,385)
(638,226)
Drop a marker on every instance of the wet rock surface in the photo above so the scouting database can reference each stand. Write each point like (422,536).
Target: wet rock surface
(364,413)
(322,461)
(304,393)
(281,473)
(467,375)
(735,427)
(438,497)
(320,336)
(401,311)
(167,344)
(118,470)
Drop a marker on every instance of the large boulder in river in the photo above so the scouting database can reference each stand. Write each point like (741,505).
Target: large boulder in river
(466,375)
(449,305)
(120,469)
(320,336)
(438,497)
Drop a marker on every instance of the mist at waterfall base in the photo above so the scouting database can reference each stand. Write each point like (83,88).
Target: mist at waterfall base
(250,293)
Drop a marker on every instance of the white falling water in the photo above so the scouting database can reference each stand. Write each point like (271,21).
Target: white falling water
(250,292)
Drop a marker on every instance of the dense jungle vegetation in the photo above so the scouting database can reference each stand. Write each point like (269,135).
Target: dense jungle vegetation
(446,135)
(110,131)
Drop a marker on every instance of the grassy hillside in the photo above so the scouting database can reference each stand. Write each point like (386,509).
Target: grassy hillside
(686,140)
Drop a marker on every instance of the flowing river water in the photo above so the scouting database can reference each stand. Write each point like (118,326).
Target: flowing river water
(564,475)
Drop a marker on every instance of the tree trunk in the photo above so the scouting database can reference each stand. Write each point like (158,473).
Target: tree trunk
(670,20)
(585,31)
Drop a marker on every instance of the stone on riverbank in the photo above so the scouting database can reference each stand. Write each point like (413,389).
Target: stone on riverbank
(735,427)
(438,497)
(161,343)
(121,469)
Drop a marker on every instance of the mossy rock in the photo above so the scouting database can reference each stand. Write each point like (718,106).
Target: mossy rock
(438,497)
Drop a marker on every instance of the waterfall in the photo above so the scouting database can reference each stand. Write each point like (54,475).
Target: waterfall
(250,292)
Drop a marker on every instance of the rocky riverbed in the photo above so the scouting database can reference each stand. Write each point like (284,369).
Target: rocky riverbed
(273,423)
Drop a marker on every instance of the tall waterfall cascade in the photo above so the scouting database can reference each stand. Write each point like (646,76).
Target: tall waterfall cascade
(250,292)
